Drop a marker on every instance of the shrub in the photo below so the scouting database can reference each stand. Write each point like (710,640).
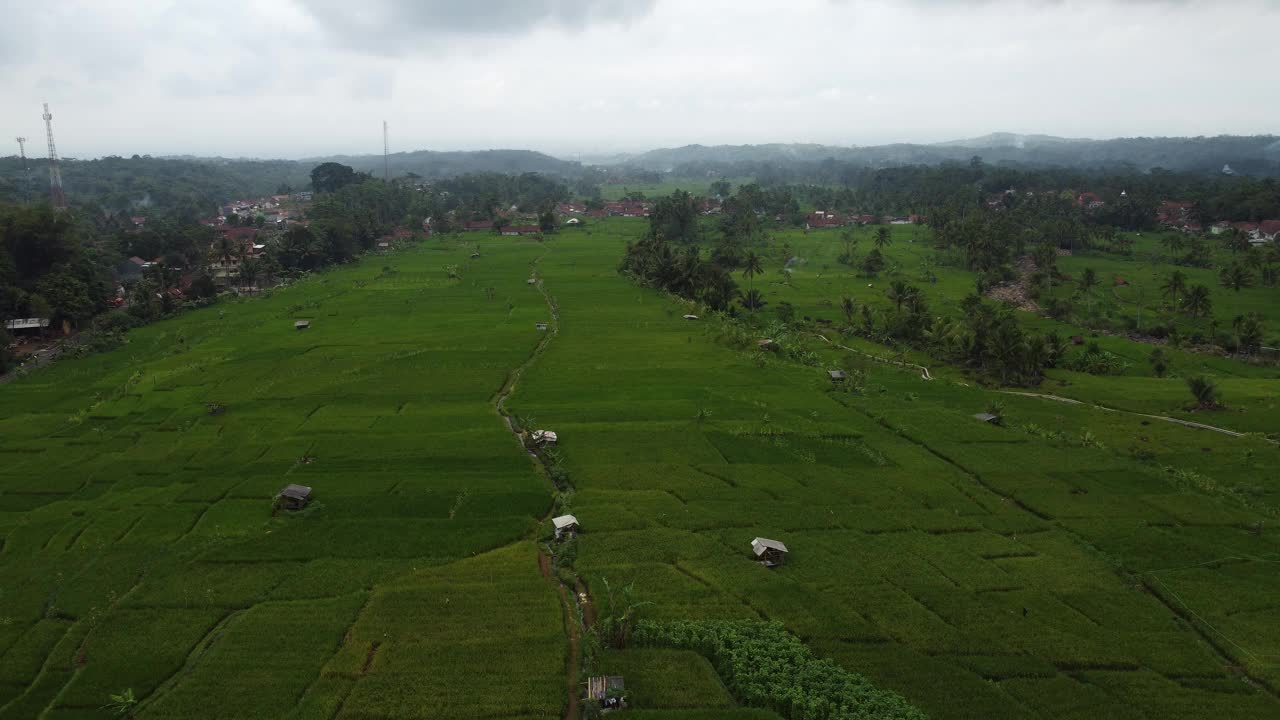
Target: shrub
(1205,392)
(765,666)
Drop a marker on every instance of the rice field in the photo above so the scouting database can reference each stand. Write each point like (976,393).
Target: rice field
(978,571)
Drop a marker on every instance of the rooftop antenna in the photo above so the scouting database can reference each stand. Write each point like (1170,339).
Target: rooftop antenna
(26,169)
(56,196)
(386,154)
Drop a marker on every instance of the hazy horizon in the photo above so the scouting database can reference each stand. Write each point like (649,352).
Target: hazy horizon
(308,78)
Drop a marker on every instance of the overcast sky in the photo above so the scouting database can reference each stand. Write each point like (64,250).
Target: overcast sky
(294,78)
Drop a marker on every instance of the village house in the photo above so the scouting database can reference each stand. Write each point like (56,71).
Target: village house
(769,553)
(822,219)
(477,225)
(293,497)
(1089,201)
(566,526)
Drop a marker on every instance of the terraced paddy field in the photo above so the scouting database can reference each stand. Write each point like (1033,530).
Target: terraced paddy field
(978,571)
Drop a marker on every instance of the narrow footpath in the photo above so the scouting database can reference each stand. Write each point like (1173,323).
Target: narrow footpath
(571,600)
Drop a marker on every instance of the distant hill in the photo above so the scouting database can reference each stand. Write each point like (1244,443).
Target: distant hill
(1255,155)
(431,164)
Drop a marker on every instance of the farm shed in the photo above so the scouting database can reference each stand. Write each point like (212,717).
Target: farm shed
(988,418)
(541,326)
(294,497)
(608,691)
(690,317)
(836,375)
(565,525)
(544,437)
(765,344)
(770,553)
(531,281)
(302,325)
(475,255)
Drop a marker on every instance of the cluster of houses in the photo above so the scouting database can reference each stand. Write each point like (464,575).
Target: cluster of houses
(822,219)
(613,208)
(1180,215)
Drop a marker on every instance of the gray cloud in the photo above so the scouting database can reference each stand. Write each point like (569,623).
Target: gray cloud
(293,78)
(389,26)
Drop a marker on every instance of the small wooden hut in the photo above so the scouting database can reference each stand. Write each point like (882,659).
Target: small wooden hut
(543,437)
(836,375)
(294,497)
(690,317)
(302,325)
(608,691)
(531,281)
(566,526)
(541,326)
(769,553)
(987,418)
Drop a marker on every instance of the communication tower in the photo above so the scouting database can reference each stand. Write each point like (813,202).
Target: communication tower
(56,196)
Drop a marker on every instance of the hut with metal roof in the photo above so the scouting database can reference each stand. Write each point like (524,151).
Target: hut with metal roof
(294,497)
(988,418)
(769,553)
(566,526)
(836,375)
(302,325)
(543,437)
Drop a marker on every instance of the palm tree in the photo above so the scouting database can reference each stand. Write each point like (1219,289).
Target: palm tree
(847,307)
(1197,301)
(897,292)
(752,300)
(1236,241)
(883,237)
(1088,280)
(1173,242)
(1236,277)
(752,265)
(1174,287)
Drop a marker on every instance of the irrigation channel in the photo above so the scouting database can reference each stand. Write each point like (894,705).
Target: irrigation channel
(578,611)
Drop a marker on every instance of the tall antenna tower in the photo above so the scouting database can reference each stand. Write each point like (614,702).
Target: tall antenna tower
(56,196)
(26,170)
(386,154)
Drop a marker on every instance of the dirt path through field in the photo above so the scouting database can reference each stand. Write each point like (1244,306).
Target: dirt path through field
(568,600)
(924,371)
(1165,418)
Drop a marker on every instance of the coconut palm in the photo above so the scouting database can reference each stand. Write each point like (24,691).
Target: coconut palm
(1197,301)
(898,292)
(847,307)
(752,265)
(1236,277)
(752,300)
(1175,286)
(883,237)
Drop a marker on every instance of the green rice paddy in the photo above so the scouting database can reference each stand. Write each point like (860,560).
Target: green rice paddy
(978,571)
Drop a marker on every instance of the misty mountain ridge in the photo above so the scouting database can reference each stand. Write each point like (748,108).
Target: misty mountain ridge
(1256,154)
